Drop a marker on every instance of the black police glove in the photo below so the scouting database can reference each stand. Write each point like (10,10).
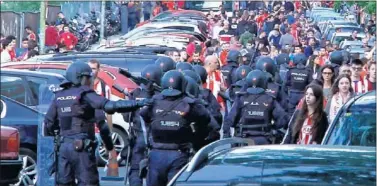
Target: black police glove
(144,102)
(105,135)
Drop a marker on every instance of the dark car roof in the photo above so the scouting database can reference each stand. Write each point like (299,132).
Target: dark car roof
(30,73)
(282,164)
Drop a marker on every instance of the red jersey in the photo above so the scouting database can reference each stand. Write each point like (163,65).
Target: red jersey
(306,133)
(213,83)
(52,36)
(69,40)
(32,36)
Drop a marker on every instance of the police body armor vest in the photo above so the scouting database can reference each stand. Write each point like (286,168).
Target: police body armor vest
(227,71)
(299,78)
(170,127)
(283,73)
(75,116)
(256,110)
(273,89)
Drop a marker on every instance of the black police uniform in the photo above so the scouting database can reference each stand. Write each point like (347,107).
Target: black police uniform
(229,70)
(73,111)
(298,78)
(253,111)
(206,94)
(267,65)
(170,117)
(139,129)
(211,132)
(282,61)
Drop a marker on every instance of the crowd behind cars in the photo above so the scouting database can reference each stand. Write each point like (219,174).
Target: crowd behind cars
(266,30)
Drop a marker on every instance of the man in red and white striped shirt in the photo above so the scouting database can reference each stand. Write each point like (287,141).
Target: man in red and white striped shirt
(100,87)
(215,80)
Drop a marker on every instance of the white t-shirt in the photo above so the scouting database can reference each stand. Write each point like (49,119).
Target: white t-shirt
(5,56)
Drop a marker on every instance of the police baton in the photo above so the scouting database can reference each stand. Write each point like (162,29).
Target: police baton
(137,80)
(121,90)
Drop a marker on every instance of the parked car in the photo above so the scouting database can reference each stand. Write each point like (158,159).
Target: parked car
(27,127)
(355,123)
(191,14)
(337,38)
(217,164)
(336,22)
(133,62)
(110,76)
(10,161)
(29,88)
(343,28)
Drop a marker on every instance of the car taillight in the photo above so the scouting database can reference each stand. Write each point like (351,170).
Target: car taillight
(13,144)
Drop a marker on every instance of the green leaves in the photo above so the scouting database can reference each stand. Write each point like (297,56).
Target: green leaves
(25,6)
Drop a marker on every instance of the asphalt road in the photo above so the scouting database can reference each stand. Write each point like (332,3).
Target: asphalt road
(122,172)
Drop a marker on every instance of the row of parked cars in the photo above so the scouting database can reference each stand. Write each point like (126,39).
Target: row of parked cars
(27,87)
(329,21)
(27,90)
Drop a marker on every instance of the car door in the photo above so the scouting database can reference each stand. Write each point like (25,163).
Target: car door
(15,87)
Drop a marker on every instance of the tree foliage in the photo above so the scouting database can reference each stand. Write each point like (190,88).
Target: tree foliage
(25,6)
(370,6)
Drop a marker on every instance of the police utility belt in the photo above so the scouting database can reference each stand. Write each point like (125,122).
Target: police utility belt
(80,145)
(253,130)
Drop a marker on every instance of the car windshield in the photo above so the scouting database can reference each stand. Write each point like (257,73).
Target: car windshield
(356,128)
(163,15)
(339,39)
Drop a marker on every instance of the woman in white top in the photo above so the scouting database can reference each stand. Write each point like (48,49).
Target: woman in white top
(7,47)
(341,92)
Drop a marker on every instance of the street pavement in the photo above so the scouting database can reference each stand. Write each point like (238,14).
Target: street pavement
(122,172)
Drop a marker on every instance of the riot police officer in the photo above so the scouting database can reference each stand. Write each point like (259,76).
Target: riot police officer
(165,63)
(139,131)
(267,65)
(246,57)
(170,117)
(298,77)
(206,94)
(211,132)
(73,112)
(234,58)
(282,61)
(240,85)
(183,66)
(253,111)
(337,58)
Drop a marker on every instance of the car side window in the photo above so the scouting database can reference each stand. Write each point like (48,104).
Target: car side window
(35,84)
(52,70)
(181,28)
(13,88)
(356,128)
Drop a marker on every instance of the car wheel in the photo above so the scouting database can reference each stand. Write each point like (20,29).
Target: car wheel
(120,139)
(29,172)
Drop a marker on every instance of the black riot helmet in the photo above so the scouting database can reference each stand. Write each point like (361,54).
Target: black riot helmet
(192,75)
(76,71)
(242,72)
(173,82)
(202,72)
(336,57)
(153,73)
(234,56)
(165,63)
(181,66)
(282,58)
(246,56)
(266,64)
(299,59)
(192,87)
(256,79)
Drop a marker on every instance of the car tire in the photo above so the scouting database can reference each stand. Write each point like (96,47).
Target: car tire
(31,157)
(122,139)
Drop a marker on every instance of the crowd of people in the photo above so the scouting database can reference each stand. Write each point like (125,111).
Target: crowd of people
(58,38)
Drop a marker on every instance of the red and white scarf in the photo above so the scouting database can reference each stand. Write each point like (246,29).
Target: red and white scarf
(337,101)
(214,82)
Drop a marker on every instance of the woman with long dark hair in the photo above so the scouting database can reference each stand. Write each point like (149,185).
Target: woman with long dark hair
(326,79)
(310,123)
(341,92)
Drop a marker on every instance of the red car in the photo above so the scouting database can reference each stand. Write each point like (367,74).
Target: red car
(176,13)
(108,74)
(10,162)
